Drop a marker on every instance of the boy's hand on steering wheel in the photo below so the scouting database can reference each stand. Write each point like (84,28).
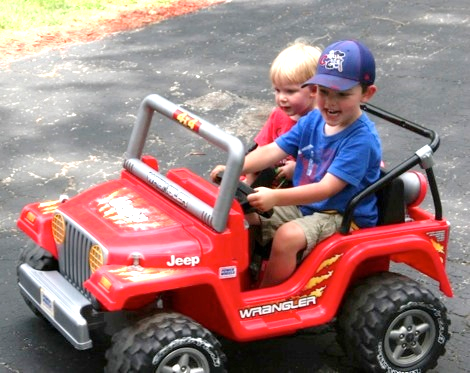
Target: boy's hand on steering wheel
(214,175)
(264,199)
(241,194)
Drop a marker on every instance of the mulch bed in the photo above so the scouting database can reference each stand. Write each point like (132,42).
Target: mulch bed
(19,44)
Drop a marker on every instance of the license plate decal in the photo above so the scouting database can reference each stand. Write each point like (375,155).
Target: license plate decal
(47,302)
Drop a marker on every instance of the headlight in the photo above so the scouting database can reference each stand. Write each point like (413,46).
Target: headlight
(58,229)
(95,258)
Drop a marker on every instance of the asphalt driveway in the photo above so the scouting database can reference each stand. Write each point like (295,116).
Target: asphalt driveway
(66,116)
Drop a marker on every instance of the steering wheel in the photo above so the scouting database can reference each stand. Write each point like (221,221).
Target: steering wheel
(243,190)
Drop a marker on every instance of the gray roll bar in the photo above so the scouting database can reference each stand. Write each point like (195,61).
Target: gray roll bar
(215,217)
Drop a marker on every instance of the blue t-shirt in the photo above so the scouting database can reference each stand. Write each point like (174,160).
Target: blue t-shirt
(353,155)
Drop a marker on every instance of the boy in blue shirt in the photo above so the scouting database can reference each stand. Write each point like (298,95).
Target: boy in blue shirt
(338,154)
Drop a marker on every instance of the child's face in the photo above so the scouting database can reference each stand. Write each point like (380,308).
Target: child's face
(294,100)
(341,108)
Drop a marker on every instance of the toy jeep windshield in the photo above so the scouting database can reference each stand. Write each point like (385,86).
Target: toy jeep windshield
(171,253)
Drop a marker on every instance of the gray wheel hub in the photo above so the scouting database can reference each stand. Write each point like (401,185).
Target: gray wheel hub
(409,338)
(184,360)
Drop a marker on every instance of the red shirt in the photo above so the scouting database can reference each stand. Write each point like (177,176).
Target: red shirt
(277,124)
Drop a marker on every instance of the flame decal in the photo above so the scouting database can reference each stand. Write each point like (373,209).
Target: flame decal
(313,287)
(318,292)
(48,207)
(329,262)
(128,210)
(138,274)
(439,248)
(314,281)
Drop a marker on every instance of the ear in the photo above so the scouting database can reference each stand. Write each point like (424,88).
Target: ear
(369,93)
(312,89)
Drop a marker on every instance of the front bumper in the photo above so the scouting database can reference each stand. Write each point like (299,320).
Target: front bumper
(58,301)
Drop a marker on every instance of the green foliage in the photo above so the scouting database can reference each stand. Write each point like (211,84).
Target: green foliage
(26,14)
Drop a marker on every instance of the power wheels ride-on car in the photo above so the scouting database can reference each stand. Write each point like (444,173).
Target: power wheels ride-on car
(172,254)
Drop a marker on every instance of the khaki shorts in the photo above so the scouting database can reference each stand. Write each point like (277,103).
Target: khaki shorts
(316,227)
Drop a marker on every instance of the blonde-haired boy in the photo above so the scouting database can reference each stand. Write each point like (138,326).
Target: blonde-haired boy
(290,69)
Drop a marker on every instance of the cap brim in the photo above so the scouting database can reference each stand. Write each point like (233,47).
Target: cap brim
(333,82)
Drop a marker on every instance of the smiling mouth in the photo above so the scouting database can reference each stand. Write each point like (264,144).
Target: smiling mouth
(332,112)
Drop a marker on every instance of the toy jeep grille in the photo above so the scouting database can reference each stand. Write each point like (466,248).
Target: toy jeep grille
(73,256)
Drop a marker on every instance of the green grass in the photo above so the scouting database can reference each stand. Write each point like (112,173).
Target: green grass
(19,15)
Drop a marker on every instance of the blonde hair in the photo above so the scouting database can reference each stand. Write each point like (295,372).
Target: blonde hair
(295,64)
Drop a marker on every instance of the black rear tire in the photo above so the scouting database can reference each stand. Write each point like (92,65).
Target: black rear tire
(390,323)
(166,342)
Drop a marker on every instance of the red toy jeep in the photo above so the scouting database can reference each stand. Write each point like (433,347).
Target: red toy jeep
(171,254)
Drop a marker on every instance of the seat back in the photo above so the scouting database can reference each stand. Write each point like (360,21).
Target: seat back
(391,203)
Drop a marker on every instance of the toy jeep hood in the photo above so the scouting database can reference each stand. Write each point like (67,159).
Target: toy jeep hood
(126,215)
(123,216)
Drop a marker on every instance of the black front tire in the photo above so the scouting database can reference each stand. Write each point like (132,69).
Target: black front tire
(390,323)
(166,342)
(39,259)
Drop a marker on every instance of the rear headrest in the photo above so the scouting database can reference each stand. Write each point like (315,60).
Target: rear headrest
(415,187)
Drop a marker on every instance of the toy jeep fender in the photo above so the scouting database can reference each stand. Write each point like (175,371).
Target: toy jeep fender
(171,253)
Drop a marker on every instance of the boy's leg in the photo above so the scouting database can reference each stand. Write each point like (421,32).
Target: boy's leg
(253,219)
(294,236)
(269,226)
(288,241)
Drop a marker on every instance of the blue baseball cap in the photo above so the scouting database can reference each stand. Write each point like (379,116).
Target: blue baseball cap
(343,65)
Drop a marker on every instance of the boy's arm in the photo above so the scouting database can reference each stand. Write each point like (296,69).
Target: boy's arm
(257,160)
(266,198)
(263,157)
